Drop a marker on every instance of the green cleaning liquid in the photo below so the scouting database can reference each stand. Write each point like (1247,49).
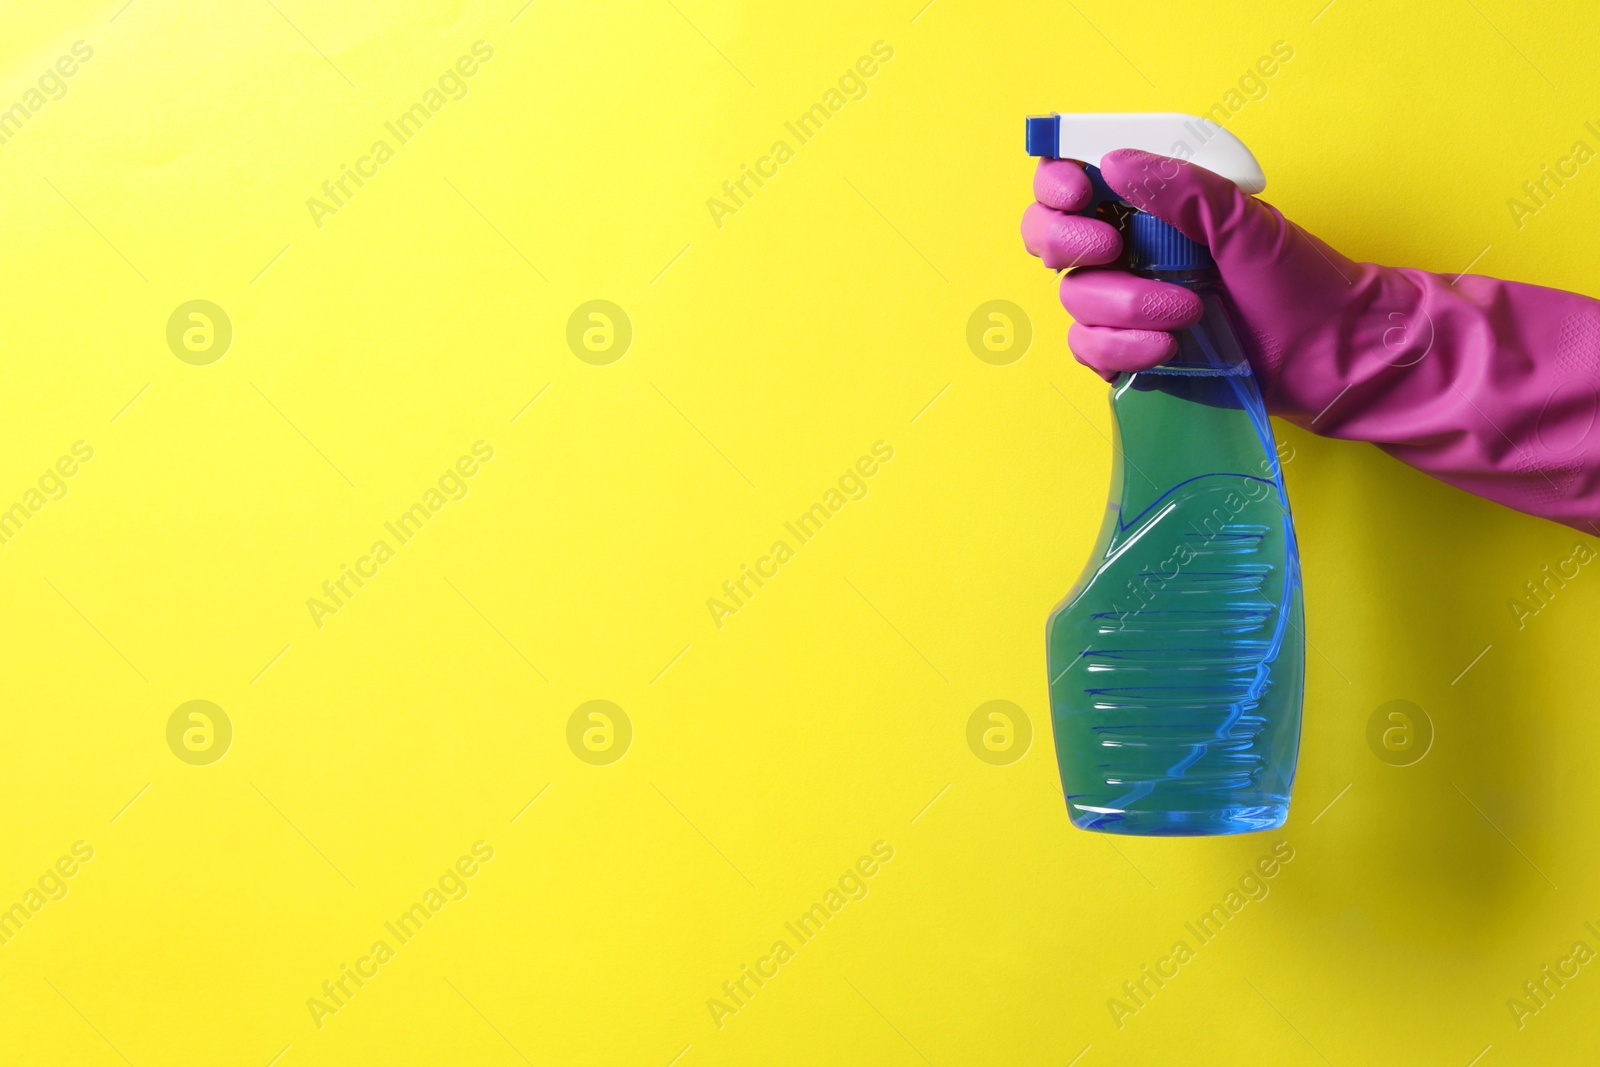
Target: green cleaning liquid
(1177,661)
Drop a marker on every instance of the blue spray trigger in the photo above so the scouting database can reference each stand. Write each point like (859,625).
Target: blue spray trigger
(1152,243)
(1102,193)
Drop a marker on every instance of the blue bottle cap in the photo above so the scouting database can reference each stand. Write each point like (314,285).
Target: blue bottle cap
(1154,244)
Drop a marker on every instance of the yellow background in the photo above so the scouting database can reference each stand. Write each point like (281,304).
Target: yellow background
(768,354)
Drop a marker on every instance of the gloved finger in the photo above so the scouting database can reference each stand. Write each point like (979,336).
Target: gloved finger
(1199,202)
(1116,298)
(1107,349)
(1206,207)
(1061,184)
(1063,240)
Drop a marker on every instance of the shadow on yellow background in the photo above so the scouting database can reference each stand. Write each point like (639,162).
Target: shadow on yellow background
(448,477)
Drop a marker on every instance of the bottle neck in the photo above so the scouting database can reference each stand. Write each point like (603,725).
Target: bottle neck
(1197,414)
(1210,346)
(1155,244)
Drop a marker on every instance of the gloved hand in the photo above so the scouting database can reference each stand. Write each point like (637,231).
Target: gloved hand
(1488,385)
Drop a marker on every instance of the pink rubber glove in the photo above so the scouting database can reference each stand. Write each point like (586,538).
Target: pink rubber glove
(1491,386)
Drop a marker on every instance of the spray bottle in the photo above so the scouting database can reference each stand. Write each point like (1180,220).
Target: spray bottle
(1177,661)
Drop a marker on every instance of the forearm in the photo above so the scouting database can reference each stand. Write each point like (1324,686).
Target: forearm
(1490,386)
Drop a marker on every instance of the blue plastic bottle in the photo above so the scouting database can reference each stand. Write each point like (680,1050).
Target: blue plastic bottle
(1176,663)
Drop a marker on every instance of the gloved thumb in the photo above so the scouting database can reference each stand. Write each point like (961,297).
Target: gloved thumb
(1205,206)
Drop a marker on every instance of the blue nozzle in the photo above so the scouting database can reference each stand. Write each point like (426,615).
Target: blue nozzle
(1043,135)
